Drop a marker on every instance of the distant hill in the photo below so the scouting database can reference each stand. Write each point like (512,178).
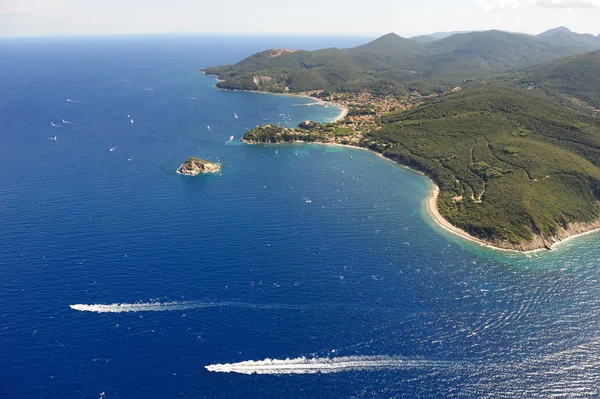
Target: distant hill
(480,54)
(575,78)
(424,39)
(392,64)
(443,35)
(562,36)
(432,37)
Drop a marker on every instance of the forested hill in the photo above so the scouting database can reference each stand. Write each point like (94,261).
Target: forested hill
(513,168)
(392,64)
(574,79)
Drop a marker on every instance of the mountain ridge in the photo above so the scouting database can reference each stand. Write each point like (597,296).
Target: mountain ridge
(394,64)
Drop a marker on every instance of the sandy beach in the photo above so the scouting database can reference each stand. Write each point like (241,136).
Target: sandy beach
(343,109)
(537,244)
(343,112)
(434,212)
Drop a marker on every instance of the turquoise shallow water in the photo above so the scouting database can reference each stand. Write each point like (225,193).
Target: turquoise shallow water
(240,266)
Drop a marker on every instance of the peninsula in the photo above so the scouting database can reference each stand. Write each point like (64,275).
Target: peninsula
(195,166)
(515,156)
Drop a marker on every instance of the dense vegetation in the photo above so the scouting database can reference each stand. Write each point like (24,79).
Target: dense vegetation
(312,132)
(575,79)
(509,164)
(306,131)
(392,64)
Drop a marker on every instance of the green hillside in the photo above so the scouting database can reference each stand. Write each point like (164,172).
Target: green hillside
(574,78)
(481,54)
(562,36)
(510,165)
(392,64)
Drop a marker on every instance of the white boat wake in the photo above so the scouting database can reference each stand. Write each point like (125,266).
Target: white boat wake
(170,306)
(304,365)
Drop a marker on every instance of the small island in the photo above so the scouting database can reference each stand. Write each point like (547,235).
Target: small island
(195,166)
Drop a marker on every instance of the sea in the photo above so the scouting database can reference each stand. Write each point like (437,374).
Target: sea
(297,271)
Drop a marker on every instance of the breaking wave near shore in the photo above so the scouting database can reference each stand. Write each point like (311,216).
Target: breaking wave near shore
(304,365)
(169,306)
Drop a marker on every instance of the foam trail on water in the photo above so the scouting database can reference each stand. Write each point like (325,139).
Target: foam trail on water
(169,306)
(303,365)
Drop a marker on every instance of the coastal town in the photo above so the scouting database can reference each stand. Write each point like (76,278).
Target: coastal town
(359,114)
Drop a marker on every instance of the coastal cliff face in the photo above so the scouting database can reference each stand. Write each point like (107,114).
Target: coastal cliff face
(195,166)
(540,241)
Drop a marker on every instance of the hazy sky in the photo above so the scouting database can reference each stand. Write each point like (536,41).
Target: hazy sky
(330,17)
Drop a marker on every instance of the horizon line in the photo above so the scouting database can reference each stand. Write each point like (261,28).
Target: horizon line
(268,34)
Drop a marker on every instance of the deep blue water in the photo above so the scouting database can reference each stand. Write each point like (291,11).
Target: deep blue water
(250,268)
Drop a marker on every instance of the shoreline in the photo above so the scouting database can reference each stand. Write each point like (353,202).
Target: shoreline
(432,209)
(343,109)
(440,221)
(537,244)
(431,204)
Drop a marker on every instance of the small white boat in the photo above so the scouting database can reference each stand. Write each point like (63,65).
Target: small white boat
(52,138)
(131,121)
(235,115)
(307,200)
(113,148)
